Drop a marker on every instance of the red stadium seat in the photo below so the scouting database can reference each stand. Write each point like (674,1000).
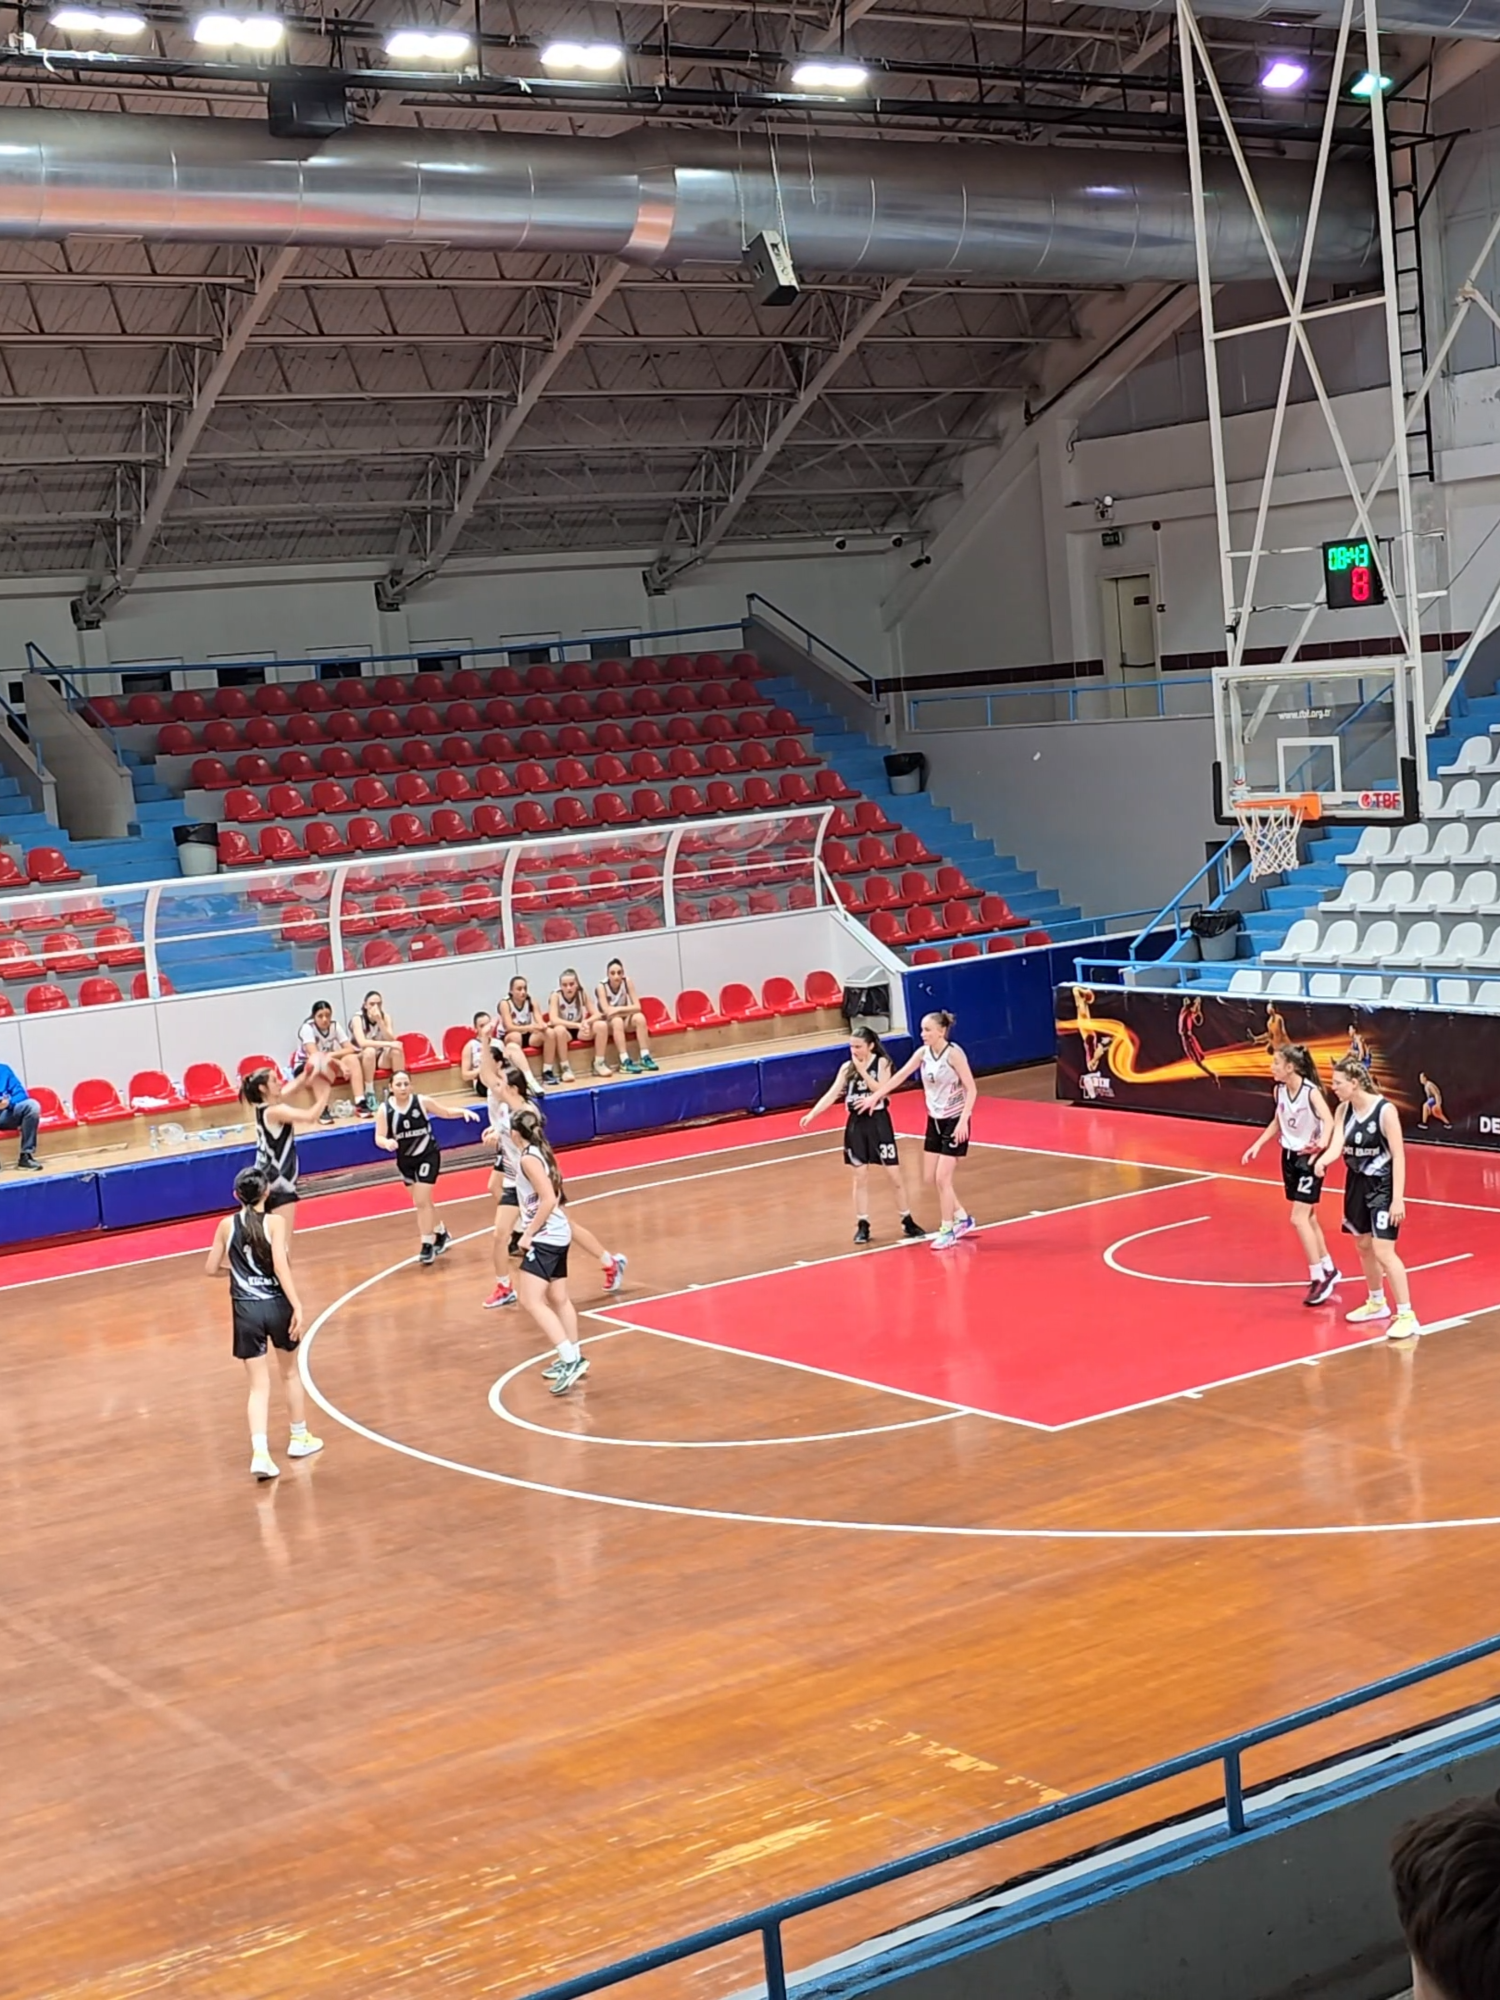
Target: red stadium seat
(325,842)
(313,697)
(380,954)
(233,704)
(344,727)
(758,795)
(995,913)
(243,806)
(454,786)
(205,1084)
(406,830)
(152,1090)
(278,845)
(490,823)
(419,755)
(532,818)
(795,790)
(869,818)
(646,767)
(915,888)
(304,729)
(208,774)
(649,804)
(658,1020)
(696,1010)
(286,802)
(601,923)
(426,946)
(722,797)
(329,796)
(253,770)
(96,1102)
(755,756)
(175,739)
(269,699)
(467,684)
(999,943)
(140,986)
(296,767)
(16,961)
(470,941)
(262,733)
(235,851)
(909,850)
(147,708)
(367,835)
(886,926)
(738,1003)
(780,996)
(97,992)
(412,789)
(380,760)
(559,930)
(50,865)
(687,802)
(492,783)
(372,794)
(117,947)
(952,882)
(572,816)
(927,954)
(55,1116)
(611,810)
(923,923)
(46,999)
(1035,937)
(830,786)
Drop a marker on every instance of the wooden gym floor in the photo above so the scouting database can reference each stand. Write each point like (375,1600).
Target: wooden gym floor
(835,1555)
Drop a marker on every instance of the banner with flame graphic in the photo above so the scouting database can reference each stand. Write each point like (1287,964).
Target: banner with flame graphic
(1207,1055)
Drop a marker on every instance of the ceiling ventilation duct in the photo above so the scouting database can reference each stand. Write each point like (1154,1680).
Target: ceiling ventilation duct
(668,197)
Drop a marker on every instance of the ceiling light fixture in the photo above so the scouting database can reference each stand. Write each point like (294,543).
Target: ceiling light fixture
(1367,84)
(236,31)
(593,56)
(435,45)
(1284,74)
(85,21)
(838,77)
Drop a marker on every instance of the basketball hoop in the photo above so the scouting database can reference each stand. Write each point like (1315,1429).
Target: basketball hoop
(1270,828)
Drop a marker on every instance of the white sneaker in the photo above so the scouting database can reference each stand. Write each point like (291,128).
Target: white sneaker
(567,1073)
(264,1466)
(602,1068)
(614,1270)
(304,1446)
(964,1225)
(1372,1309)
(946,1237)
(1404,1326)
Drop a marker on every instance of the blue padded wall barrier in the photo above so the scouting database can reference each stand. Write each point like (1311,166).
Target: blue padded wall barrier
(48,1204)
(676,1098)
(162,1189)
(573,1117)
(803,1077)
(1003,1004)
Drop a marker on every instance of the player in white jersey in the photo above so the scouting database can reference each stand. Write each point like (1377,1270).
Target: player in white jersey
(1304,1124)
(620,1005)
(522,1027)
(511,1091)
(951,1092)
(546,1235)
(1367,1138)
(573,1017)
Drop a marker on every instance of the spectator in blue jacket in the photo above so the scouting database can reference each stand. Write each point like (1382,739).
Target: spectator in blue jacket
(18,1112)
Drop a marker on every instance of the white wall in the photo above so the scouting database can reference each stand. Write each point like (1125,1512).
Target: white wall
(1115,815)
(60,1050)
(281,614)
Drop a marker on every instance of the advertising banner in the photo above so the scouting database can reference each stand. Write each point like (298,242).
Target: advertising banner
(1207,1055)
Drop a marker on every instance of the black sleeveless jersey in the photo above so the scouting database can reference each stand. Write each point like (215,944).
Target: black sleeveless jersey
(275,1152)
(249,1278)
(1365,1148)
(411,1129)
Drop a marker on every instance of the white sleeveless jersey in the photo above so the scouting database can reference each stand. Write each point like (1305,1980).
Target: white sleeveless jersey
(508,1157)
(1297,1118)
(940,1082)
(617,996)
(556,1231)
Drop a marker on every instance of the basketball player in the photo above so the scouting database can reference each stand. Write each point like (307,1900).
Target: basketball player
(1432,1102)
(543,1243)
(403,1126)
(1304,1124)
(374,1038)
(868,1142)
(277,1123)
(572,1016)
(951,1092)
(1095,1041)
(468,1062)
(1367,1137)
(324,1050)
(511,1091)
(620,1005)
(256,1247)
(1189,1020)
(522,1028)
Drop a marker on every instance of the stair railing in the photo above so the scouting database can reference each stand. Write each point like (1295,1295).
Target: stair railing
(1219,886)
(819,649)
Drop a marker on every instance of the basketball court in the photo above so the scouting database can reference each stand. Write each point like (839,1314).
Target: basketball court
(837,1551)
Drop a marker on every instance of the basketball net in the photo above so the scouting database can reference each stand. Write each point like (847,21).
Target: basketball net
(1271,829)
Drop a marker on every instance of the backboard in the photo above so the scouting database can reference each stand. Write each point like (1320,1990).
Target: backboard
(1339,728)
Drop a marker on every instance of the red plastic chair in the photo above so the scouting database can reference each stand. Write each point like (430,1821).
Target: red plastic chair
(915,888)
(63,955)
(406,830)
(116,946)
(367,835)
(426,946)
(1036,937)
(279,845)
(454,787)
(687,802)
(531,818)
(1000,944)
(325,842)
(296,767)
(831,786)
(796,791)
(175,739)
(344,727)
(55,1116)
(205,1085)
(658,1019)
(97,992)
(886,926)
(758,795)
(50,865)
(721,796)
(910,851)
(286,802)
(380,954)
(235,851)
(10,875)
(304,729)
(869,818)
(46,999)
(450,827)
(264,734)
(696,1010)
(156,1086)
(738,1003)
(313,697)
(490,823)
(96,1102)
(140,986)
(412,789)
(147,708)
(572,816)
(649,804)
(242,805)
(927,954)
(269,699)
(780,996)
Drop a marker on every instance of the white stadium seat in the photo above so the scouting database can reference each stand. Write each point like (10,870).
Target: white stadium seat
(1463,946)
(1407,993)
(1488,996)
(1246,980)
(1460,801)
(1374,844)
(1436,890)
(1377,945)
(1336,944)
(1397,891)
(1420,944)
(1478,754)
(1357,891)
(1479,890)
(1367,986)
(1486,844)
(1452,843)
(1325,985)
(1453,992)
(1296,944)
(1285,986)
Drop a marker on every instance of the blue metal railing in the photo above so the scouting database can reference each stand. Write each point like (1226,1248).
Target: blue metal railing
(1104,693)
(815,646)
(1219,887)
(1228,1753)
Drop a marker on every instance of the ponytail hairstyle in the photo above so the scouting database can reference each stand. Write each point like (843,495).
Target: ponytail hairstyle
(943,1018)
(1300,1060)
(1358,1073)
(526,1125)
(253,1088)
(249,1188)
(519,1081)
(872,1041)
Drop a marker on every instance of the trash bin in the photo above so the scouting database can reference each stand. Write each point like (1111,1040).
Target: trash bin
(197,847)
(906,771)
(1217,932)
(867,1001)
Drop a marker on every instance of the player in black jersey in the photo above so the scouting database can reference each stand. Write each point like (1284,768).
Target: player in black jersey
(403,1126)
(278,1120)
(255,1247)
(869,1137)
(1367,1138)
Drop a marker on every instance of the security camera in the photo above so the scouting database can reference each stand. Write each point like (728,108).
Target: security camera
(841,542)
(921,562)
(897,541)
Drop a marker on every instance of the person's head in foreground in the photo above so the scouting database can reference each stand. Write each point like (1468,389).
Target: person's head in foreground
(1445,1871)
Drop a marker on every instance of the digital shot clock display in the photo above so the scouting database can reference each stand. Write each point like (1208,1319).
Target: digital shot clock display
(1351,581)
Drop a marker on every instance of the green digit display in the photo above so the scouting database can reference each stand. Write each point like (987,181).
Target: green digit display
(1351,577)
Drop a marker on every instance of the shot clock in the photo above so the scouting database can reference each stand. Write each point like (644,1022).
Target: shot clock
(1351,581)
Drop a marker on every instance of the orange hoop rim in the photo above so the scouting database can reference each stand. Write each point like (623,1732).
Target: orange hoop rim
(1307,805)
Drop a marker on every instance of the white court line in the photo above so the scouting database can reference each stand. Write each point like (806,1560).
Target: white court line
(737,1517)
(1239,1284)
(908,1243)
(403,1207)
(501,1409)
